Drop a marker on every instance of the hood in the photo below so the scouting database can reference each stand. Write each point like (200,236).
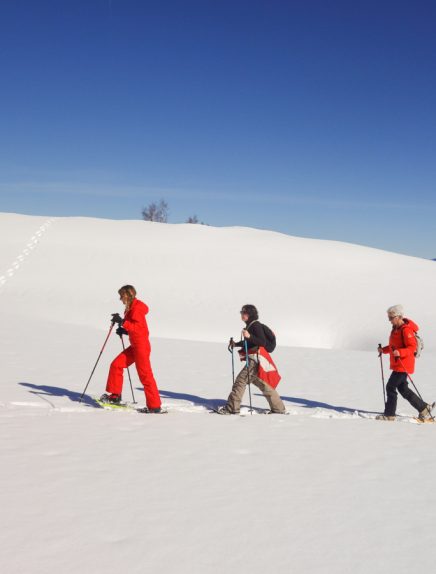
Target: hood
(139,305)
(411,324)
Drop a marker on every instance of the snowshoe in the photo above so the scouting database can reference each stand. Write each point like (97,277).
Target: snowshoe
(147,411)
(112,405)
(224,411)
(384,418)
(426,413)
(110,399)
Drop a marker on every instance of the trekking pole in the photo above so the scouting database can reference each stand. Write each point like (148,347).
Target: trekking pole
(414,386)
(382,372)
(230,348)
(95,366)
(248,373)
(128,372)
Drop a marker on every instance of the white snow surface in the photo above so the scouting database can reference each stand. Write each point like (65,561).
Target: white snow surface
(317,294)
(322,490)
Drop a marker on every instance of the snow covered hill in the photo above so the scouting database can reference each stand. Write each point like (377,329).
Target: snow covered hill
(318,294)
(322,490)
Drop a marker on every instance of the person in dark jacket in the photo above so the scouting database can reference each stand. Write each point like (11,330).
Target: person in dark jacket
(254,335)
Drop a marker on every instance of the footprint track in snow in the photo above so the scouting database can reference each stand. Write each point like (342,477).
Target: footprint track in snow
(30,246)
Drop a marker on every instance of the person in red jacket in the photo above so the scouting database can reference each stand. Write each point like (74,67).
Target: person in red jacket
(401,349)
(135,326)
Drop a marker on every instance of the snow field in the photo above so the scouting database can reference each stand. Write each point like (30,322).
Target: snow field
(319,491)
(316,294)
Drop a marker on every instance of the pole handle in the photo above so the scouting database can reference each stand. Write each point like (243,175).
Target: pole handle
(230,345)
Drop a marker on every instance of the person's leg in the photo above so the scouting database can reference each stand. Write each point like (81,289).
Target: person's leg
(145,374)
(115,378)
(407,393)
(272,396)
(391,390)
(235,398)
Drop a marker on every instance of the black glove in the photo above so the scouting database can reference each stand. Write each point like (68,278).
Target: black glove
(121,331)
(116,319)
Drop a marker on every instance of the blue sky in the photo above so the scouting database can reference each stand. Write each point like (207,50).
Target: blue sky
(312,118)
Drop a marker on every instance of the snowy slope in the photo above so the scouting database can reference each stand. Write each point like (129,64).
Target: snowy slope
(318,294)
(322,490)
(318,491)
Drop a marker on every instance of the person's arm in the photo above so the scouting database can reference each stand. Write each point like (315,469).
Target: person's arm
(136,318)
(409,342)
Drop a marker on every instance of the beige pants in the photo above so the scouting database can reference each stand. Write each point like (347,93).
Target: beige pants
(238,390)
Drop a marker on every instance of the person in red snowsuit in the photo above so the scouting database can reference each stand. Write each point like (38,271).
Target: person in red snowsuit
(401,349)
(135,326)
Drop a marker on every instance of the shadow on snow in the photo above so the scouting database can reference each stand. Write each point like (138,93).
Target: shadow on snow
(195,399)
(44,391)
(306,403)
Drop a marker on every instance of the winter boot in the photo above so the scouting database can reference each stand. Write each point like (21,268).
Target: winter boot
(147,411)
(384,418)
(112,399)
(426,413)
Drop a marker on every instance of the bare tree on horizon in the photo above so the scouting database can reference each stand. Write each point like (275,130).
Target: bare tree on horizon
(192,219)
(156,212)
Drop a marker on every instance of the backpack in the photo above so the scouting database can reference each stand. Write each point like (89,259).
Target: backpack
(419,344)
(270,337)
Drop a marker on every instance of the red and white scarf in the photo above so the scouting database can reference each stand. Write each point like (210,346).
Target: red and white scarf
(267,371)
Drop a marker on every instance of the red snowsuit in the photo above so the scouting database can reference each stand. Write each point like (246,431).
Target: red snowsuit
(138,353)
(402,339)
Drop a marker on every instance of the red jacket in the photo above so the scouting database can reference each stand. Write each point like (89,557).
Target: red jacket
(135,323)
(403,339)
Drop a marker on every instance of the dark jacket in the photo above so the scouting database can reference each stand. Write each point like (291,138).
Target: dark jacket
(257,336)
